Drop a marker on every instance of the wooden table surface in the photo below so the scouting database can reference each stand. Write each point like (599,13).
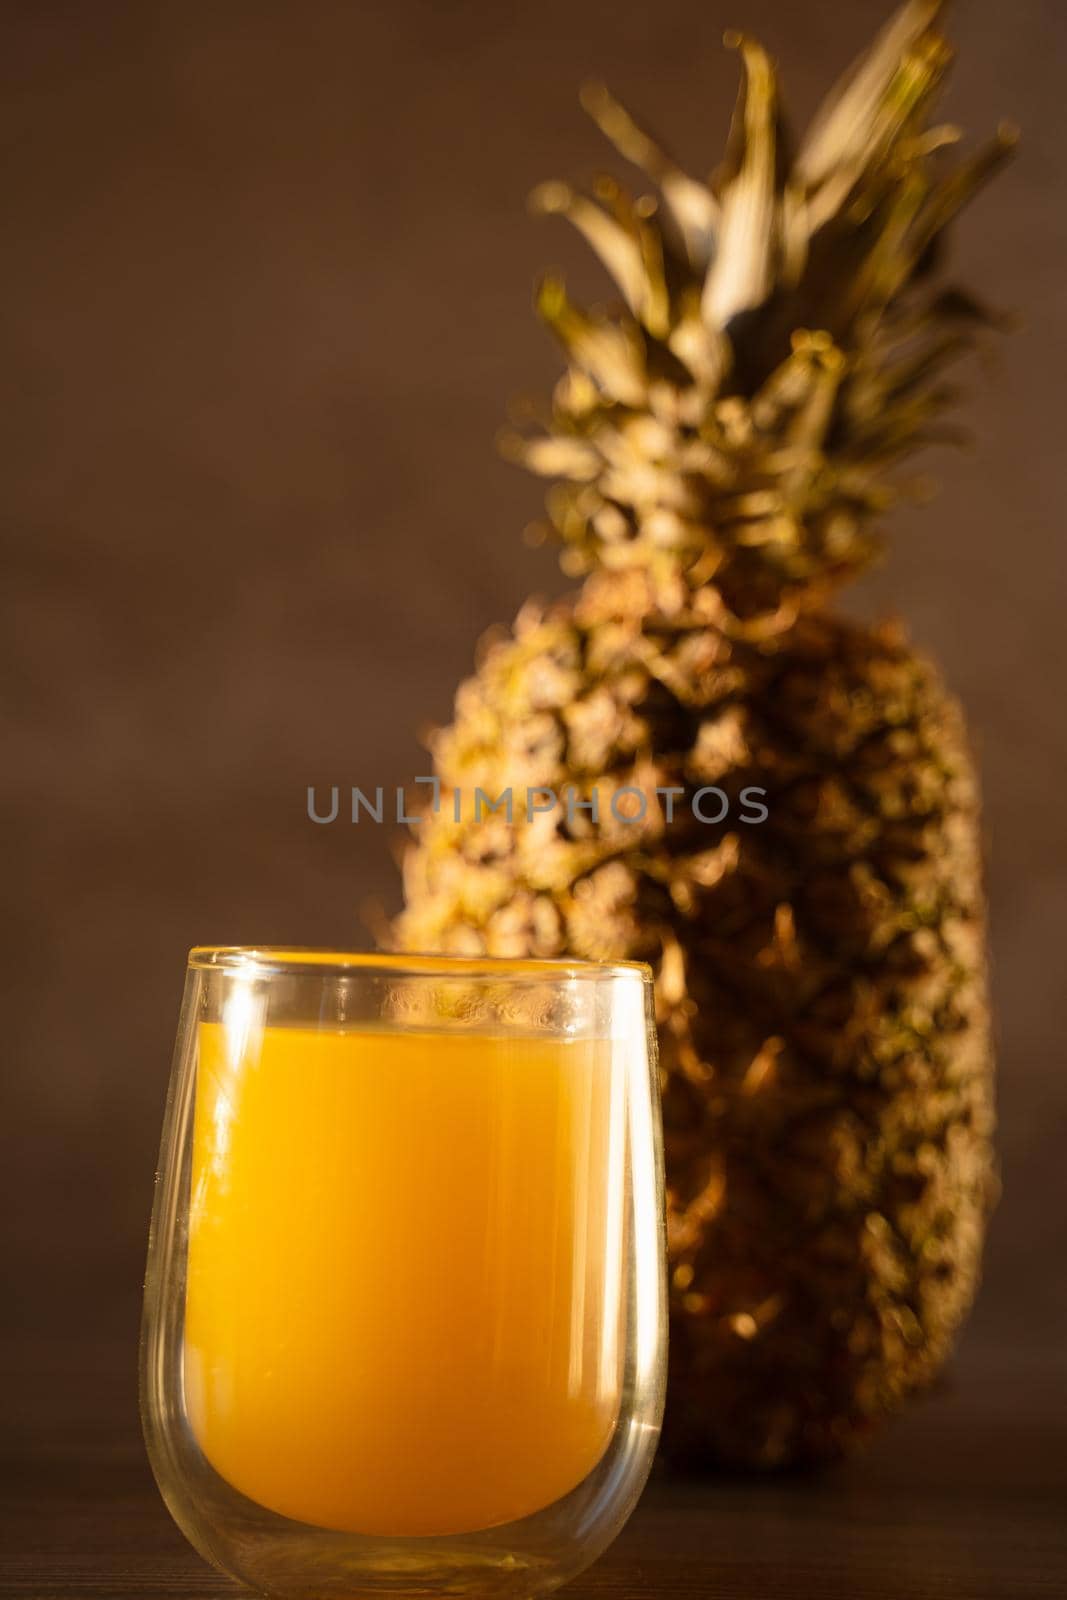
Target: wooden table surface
(964,1499)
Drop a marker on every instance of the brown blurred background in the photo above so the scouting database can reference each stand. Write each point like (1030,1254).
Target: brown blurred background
(267,289)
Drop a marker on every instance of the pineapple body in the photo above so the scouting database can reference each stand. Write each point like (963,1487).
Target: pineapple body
(725,442)
(820,984)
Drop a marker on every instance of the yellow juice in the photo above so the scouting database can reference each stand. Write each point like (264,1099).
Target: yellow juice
(405,1252)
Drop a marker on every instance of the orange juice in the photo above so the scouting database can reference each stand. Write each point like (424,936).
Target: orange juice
(405,1251)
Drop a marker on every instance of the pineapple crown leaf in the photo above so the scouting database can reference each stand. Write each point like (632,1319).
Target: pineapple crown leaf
(778,346)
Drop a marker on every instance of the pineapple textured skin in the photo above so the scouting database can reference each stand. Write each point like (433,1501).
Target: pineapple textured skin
(824,1040)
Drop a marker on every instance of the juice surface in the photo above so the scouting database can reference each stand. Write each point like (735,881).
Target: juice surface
(404,1266)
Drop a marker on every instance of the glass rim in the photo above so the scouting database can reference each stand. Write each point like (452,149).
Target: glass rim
(306,960)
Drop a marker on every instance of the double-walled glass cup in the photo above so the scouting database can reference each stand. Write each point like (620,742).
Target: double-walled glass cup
(404,1326)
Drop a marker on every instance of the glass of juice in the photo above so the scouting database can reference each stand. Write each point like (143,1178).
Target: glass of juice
(404,1327)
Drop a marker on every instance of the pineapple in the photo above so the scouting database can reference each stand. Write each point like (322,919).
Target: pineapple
(798,853)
